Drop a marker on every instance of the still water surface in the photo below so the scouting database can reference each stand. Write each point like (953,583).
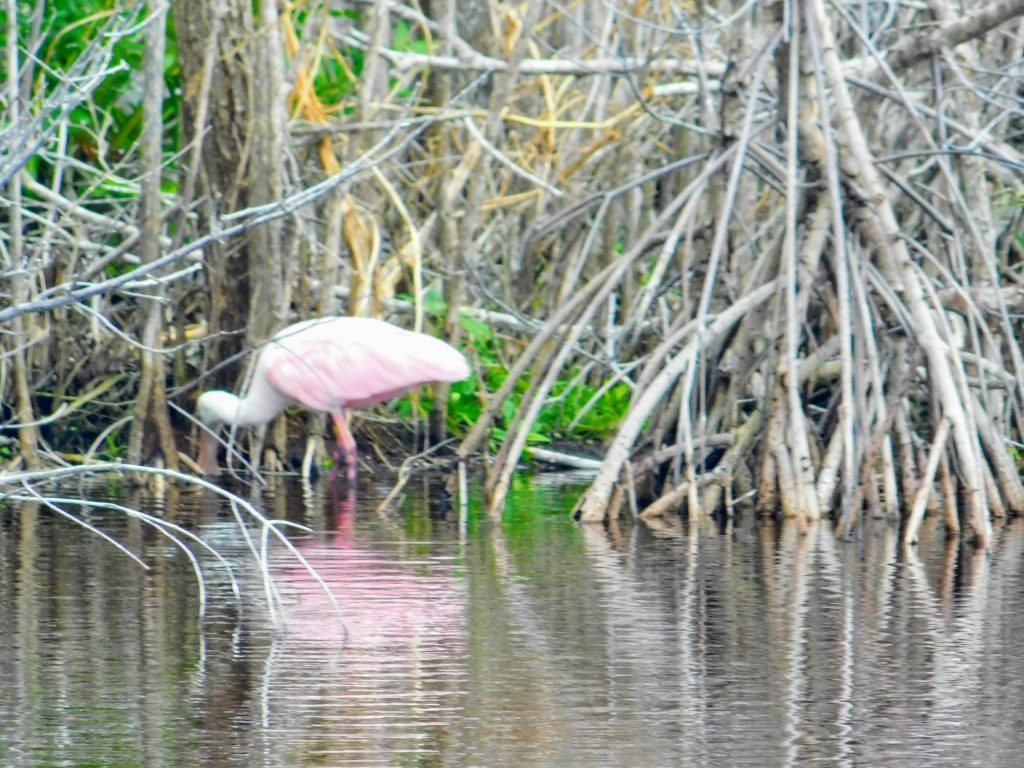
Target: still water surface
(536,643)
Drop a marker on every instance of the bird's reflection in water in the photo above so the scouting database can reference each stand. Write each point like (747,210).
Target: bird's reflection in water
(396,596)
(392,675)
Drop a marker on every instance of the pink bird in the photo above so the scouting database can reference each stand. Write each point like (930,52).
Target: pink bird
(330,364)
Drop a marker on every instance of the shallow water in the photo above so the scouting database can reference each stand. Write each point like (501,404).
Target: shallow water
(536,643)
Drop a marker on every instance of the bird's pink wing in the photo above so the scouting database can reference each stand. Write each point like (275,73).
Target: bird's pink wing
(325,372)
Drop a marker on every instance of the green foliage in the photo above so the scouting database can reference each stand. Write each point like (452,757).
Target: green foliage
(402,40)
(561,418)
(338,69)
(332,82)
(114,448)
(434,304)
(572,411)
(103,130)
(565,416)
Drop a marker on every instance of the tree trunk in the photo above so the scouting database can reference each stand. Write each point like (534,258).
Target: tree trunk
(234,108)
(16,268)
(151,414)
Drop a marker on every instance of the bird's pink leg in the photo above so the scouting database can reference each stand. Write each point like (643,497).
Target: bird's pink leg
(346,443)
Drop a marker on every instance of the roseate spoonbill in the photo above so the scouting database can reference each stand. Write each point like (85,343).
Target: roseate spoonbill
(330,364)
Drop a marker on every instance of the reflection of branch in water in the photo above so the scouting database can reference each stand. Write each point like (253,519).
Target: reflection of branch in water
(540,663)
(802,549)
(638,621)
(957,643)
(833,572)
(245,513)
(173,532)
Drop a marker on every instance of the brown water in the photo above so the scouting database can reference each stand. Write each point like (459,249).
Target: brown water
(537,643)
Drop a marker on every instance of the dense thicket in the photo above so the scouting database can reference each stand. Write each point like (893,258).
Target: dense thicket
(769,252)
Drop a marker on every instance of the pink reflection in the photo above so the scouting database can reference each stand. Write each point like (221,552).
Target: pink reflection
(392,599)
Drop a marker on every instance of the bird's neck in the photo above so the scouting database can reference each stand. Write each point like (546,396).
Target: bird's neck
(259,405)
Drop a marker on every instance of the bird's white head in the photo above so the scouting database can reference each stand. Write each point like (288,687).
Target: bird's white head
(217,407)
